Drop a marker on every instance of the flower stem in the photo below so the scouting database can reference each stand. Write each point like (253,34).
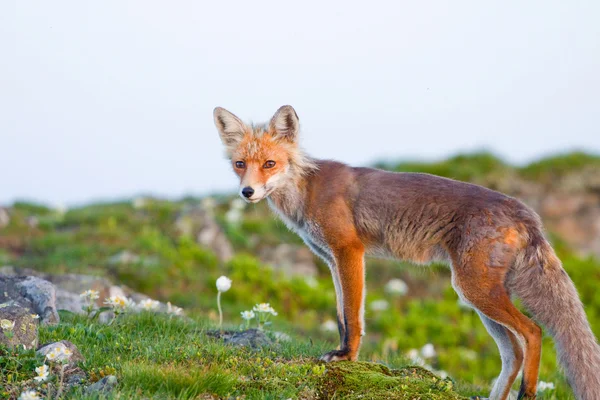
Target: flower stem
(220,311)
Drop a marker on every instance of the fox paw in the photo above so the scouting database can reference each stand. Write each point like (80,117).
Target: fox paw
(336,355)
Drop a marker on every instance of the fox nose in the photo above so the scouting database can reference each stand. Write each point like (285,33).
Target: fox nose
(247,192)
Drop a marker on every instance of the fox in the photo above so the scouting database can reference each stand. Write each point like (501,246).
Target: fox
(494,244)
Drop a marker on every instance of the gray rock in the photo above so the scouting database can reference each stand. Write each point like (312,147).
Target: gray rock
(254,338)
(25,329)
(199,222)
(104,385)
(69,301)
(291,260)
(35,294)
(76,356)
(4,217)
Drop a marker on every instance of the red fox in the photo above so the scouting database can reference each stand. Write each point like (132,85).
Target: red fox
(493,243)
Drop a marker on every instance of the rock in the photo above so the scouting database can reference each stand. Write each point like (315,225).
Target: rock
(104,385)
(292,260)
(200,223)
(4,217)
(254,338)
(35,294)
(24,332)
(128,257)
(76,356)
(69,301)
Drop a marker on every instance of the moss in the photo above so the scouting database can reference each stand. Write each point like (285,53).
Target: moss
(363,380)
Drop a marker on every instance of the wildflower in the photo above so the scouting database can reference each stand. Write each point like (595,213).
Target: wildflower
(264,311)
(311,281)
(542,386)
(59,353)
(237,204)
(29,395)
(149,304)
(247,315)
(90,295)
(379,305)
(264,308)
(7,325)
(61,209)
(428,351)
(52,355)
(414,357)
(233,216)
(209,203)
(118,303)
(42,373)
(35,316)
(223,284)
(139,202)
(282,337)
(329,326)
(396,286)
(171,309)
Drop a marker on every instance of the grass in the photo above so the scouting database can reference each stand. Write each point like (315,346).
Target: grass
(159,357)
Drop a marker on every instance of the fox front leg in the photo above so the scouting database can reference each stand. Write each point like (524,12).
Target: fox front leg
(351,274)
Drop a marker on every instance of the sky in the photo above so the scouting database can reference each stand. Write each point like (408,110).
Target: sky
(112,99)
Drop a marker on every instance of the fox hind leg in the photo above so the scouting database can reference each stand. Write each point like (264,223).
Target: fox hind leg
(511,355)
(483,287)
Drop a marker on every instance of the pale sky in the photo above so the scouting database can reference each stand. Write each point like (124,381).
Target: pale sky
(109,99)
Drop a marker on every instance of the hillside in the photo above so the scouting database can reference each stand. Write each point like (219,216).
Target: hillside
(174,251)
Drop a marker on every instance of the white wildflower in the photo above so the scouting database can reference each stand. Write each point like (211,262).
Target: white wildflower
(233,216)
(118,303)
(542,386)
(396,286)
(379,305)
(139,202)
(29,395)
(428,351)
(329,326)
(414,357)
(149,304)
(59,353)
(264,308)
(61,209)
(223,284)
(247,315)
(209,203)
(171,309)
(7,325)
(90,295)
(282,337)
(35,316)
(237,204)
(311,281)
(42,373)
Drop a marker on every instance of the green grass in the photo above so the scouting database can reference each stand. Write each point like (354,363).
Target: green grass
(158,357)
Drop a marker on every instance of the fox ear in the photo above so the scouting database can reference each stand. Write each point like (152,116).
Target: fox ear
(285,123)
(231,128)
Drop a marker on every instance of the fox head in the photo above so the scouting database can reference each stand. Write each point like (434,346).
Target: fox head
(265,157)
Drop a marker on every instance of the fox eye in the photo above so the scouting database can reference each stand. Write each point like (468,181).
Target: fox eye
(240,164)
(269,164)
